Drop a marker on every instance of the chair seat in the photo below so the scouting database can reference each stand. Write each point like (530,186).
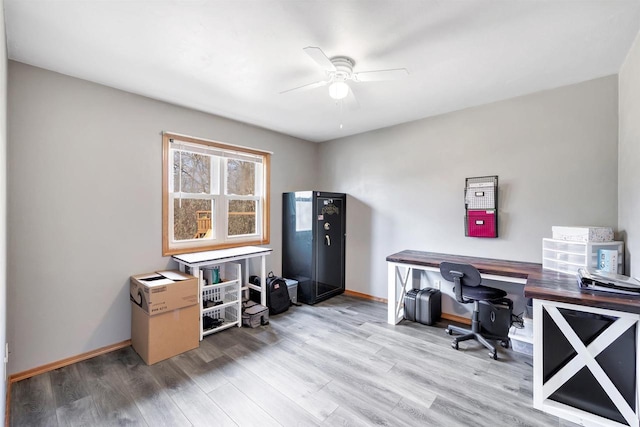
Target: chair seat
(482,293)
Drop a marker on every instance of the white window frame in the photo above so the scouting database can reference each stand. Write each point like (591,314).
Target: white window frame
(221,151)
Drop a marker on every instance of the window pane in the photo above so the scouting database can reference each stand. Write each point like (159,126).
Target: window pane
(242,217)
(193,219)
(241,178)
(191,172)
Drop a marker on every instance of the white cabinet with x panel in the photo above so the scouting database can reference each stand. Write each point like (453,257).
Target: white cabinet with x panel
(585,363)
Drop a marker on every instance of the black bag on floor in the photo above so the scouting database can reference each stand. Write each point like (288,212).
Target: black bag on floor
(277,294)
(254,314)
(278,299)
(495,317)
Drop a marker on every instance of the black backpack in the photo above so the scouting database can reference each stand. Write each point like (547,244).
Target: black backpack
(278,299)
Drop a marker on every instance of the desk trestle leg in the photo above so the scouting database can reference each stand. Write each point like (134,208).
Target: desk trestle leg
(395,301)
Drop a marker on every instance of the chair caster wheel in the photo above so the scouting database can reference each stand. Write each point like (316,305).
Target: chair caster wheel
(448,331)
(454,344)
(493,355)
(504,343)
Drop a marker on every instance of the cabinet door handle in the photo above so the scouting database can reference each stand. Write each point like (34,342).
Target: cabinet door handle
(327,239)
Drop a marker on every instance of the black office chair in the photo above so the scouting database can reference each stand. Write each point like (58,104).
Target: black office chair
(466,279)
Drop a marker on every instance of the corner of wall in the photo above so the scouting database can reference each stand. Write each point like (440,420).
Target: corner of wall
(629,154)
(3,206)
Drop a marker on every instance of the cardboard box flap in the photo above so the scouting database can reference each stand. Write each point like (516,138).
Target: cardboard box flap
(158,293)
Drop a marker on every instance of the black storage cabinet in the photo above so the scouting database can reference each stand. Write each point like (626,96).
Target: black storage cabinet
(313,243)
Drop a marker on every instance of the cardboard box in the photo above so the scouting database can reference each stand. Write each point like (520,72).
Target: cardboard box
(161,336)
(164,291)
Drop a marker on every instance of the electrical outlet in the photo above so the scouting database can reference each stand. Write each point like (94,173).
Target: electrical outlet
(437,284)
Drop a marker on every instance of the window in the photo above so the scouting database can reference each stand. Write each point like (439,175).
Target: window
(214,195)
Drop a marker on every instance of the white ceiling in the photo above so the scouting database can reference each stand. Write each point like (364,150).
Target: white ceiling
(232,58)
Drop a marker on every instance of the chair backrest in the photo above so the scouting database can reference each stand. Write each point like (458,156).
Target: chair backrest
(467,273)
(462,275)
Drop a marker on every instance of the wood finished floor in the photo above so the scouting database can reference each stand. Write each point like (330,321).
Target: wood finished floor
(335,364)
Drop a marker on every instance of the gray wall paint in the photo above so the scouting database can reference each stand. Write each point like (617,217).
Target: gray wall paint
(85,205)
(85,197)
(555,153)
(629,159)
(3,202)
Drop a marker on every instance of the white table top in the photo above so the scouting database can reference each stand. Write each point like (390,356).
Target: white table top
(200,258)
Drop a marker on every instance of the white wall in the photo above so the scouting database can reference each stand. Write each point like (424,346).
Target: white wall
(84,191)
(555,153)
(629,158)
(3,204)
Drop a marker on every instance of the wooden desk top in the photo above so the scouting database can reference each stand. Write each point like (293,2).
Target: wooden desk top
(541,284)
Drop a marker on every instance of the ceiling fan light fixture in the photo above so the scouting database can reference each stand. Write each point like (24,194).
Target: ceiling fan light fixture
(338,90)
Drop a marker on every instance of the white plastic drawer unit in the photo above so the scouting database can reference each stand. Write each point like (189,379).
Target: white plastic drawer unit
(567,257)
(570,258)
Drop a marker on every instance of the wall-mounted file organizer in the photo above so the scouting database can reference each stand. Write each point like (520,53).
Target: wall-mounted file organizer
(481,206)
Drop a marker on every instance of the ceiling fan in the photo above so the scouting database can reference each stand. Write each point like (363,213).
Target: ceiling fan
(339,70)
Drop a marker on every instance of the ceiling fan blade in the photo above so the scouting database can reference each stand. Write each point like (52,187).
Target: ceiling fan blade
(379,75)
(321,59)
(307,86)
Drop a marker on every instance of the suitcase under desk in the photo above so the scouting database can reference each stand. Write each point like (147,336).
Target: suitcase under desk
(423,305)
